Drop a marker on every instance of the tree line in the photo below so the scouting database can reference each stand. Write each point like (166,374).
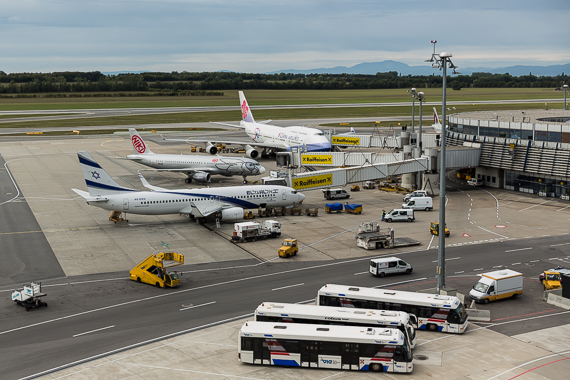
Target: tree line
(211,83)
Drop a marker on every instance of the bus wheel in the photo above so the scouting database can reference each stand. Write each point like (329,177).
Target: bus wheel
(431,327)
(375,367)
(382,274)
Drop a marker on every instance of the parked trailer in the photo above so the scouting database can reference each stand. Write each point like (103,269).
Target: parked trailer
(371,236)
(353,208)
(249,231)
(330,207)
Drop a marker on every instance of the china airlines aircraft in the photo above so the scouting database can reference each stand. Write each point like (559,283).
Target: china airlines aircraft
(269,137)
(436,122)
(226,203)
(196,167)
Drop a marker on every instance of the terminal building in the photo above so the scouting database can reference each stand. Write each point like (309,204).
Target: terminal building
(526,151)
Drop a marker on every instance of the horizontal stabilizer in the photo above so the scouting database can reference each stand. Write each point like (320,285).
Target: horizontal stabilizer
(89,198)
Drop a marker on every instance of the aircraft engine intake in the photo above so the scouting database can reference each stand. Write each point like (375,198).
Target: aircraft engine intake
(201,177)
(234,213)
(250,152)
(211,149)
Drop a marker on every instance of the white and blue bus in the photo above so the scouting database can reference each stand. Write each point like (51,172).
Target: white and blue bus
(318,346)
(340,316)
(434,312)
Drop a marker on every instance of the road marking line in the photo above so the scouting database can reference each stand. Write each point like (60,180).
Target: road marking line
(192,307)
(515,264)
(477,269)
(557,245)
(288,286)
(494,233)
(460,272)
(89,332)
(356,274)
(536,205)
(520,249)
(534,261)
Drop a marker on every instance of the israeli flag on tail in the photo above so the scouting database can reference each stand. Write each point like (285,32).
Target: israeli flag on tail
(99,183)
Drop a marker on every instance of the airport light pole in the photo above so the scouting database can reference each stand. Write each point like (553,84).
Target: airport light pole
(421,99)
(414,94)
(442,61)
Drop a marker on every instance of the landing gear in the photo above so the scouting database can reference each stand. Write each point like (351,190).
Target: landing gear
(264,153)
(244,180)
(188,180)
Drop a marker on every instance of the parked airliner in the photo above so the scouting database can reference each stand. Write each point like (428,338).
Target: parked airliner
(436,122)
(270,137)
(196,167)
(226,203)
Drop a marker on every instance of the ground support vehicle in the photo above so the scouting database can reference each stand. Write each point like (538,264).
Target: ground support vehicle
(415,194)
(369,185)
(420,203)
(335,194)
(250,231)
(152,270)
(279,211)
(552,279)
(117,217)
(475,182)
(331,347)
(389,265)
(493,286)
(264,212)
(355,188)
(29,296)
(371,236)
(353,208)
(295,210)
(330,207)
(400,215)
(289,248)
(248,215)
(434,312)
(434,229)
(311,211)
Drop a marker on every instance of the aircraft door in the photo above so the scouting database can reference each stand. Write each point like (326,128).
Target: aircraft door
(284,195)
(125,204)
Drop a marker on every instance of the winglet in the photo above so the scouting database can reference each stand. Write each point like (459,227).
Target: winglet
(149,186)
(138,143)
(246,114)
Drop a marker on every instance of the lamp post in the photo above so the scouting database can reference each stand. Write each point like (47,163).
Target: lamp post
(442,61)
(421,99)
(414,95)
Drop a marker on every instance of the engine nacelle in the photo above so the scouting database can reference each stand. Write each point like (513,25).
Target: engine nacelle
(234,213)
(250,152)
(211,149)
(201,177)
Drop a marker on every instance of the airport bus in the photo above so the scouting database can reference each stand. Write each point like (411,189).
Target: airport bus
(318,346)
(341,316)
(434,312)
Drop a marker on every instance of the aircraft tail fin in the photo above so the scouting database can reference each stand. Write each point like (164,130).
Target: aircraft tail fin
(352,130)
(138,143)
(99,183)
(246,114)
(435,117)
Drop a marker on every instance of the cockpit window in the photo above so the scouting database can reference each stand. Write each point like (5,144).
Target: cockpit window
(319,134)
(293,192)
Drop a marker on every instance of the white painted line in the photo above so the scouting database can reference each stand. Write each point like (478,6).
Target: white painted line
(356,274)
(528,237)
(536,205)
(553,258)
(534,261)
(546,235)
(557,245)
(477,269)
(515,264)
(89,332)
(192,307)
(494,233)
(520,249)
(460,272)
(288,286)
(527,363)
(401,282)
(560,209)
(431,240)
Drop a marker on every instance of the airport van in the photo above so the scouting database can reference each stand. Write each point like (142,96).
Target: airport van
(335,194)
(421,203)
(493,286)
(389,265)
(400,215)
(416,194)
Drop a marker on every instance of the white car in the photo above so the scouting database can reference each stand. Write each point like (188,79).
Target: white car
(475,182)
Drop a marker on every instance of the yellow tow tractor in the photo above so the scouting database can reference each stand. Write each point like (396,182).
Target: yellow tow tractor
(289,248)
(153,271)
(434,229)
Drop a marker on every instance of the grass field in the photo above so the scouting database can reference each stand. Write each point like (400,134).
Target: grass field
(272,97)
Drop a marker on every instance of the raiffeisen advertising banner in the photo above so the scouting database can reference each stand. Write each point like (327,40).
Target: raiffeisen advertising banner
(313,181)
(317,159)
(345,140)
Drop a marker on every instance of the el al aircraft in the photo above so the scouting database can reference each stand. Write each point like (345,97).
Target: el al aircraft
(196,167)
(227,203)
(269,137)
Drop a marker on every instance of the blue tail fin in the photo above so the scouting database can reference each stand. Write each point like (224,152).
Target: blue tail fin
(98,182)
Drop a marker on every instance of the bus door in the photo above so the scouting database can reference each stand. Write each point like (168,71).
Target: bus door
(350,356)
(261,353)
(309,353)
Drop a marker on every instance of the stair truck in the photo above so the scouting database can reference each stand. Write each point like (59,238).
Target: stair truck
(497,285)
(29,296)
(249,231)
(153,270)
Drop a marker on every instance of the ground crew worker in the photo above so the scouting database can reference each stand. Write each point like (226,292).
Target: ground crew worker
(383,214)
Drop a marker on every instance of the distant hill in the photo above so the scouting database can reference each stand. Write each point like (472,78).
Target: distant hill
(372,68)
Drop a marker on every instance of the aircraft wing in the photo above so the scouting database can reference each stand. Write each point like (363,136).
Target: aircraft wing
(205,210)
(227,124)
(227,142)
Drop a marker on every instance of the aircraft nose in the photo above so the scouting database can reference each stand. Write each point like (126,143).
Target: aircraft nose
(302,196)
(262,170)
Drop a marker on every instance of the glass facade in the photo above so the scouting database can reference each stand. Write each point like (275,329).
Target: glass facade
(546,187)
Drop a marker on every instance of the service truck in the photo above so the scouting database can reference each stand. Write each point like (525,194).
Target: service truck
(552,279)
(250,231)
(492,286)
(371,236)
(153,270)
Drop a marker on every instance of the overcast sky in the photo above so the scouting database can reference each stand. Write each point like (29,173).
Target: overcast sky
(263,36)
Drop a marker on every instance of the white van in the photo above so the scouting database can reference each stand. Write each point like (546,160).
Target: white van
(389,265)
(416,194)
(422,203)
(400,214)
(335,194)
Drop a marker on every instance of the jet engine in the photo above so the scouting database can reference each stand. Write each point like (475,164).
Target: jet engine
(234,213)
(211,149)
(250,152)
(201,177)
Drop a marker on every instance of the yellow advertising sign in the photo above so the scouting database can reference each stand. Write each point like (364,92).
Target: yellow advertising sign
(345,140)
(314,181)
(316,159)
